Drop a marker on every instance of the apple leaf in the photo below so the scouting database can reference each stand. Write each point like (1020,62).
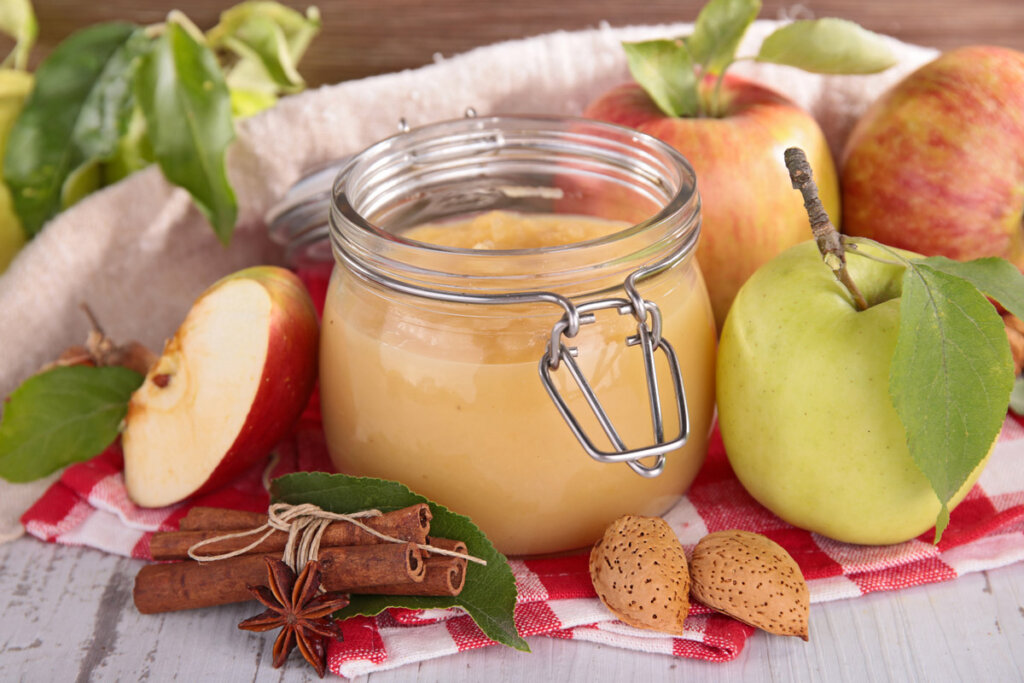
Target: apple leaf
(1017,396)
(827,46)
(45,147)
(62,416)
(489,596)
(950,378)
(185,100)
(664,69)
(718,30)
(268,40)
(994,277)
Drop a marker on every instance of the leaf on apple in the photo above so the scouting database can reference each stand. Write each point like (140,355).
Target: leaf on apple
(952,372)
(665,70)
(62,416)
(994,277)
(827,46)
(718,30)
(489,596)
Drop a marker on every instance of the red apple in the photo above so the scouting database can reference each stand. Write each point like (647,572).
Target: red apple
(228,386)
(750,212)
(936,165)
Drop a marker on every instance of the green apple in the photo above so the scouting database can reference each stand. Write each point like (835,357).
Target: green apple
(804,406)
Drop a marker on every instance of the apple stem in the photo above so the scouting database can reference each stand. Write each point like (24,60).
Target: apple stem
(829,241)
(93,320)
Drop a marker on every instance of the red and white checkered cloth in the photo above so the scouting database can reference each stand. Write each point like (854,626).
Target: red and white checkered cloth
(88,506)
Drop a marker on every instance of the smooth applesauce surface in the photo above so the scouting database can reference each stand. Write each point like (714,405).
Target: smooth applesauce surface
(447,399)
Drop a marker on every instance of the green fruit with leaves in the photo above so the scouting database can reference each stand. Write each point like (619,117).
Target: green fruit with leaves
(865,423)
(803,396)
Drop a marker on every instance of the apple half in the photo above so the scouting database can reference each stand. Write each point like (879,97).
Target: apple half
(230,383)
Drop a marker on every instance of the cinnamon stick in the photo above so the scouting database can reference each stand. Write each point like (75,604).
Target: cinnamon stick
(220,519)
(188,585)
(443,575)
(408,524)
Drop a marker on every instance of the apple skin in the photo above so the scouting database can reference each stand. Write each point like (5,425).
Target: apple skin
(749,210)
(804,407)
(14,88)
(936,165)
(286,382)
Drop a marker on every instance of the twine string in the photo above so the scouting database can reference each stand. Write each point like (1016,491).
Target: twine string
(305,525)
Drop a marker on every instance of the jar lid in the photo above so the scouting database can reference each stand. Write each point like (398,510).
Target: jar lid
(299,222)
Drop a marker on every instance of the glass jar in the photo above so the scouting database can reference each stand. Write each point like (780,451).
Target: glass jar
(464,373)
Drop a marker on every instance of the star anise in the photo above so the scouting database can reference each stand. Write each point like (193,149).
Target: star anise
(296,607)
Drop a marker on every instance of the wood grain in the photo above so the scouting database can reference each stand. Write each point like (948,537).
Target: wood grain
(67,615)
(365,37)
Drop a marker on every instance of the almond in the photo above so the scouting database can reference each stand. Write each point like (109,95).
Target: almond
(753,579)
(639,571)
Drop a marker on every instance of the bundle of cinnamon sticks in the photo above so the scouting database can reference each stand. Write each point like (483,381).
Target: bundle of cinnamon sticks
(351,559)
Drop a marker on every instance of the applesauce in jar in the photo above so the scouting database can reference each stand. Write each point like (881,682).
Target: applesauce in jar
(467,251)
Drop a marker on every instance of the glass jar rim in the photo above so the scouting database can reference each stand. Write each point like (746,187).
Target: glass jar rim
(369,161)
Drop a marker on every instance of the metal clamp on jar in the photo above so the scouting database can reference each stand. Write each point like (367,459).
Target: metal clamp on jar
(431,348)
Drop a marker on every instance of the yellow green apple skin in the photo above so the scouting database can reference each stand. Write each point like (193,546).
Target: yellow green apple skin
(749,210)
(803,401)
(936,165)
(14,88)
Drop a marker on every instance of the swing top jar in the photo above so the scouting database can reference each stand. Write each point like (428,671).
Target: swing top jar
(516,326)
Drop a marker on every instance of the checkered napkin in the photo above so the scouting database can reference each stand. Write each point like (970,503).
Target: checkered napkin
(88,506)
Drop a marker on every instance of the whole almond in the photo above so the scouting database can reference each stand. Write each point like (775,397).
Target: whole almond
(753,579)
(639,571)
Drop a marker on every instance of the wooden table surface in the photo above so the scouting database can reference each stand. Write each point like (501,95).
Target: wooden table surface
(364,37)
(67,612)
(67,615)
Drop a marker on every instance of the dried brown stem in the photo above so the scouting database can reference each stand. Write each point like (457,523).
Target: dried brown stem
(93,320)
(828,239)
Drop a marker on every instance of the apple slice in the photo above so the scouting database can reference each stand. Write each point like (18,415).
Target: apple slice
(229,384)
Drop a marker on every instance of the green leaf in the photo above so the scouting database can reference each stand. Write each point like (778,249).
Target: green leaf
(828,46)
(717,33)
(950,378)
(489,596)
(994,277)
(185,100)
(45,145)
(18,21)
(268,39)
(109,107)
(1017,397)
(133,151)
(62,416)
(664,69)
